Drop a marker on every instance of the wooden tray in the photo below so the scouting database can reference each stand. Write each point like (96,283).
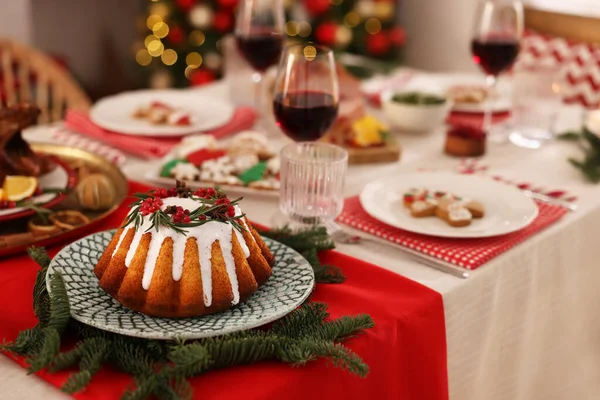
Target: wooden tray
(14,235)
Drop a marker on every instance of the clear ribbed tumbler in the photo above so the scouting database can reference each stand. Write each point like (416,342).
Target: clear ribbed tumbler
(312,182)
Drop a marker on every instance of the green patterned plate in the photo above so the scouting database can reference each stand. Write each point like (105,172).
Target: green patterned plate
(291,283)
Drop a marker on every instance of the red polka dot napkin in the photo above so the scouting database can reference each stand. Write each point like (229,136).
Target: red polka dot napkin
(465,253)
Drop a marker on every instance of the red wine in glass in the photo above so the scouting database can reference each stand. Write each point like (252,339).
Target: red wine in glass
(495,55)
(260,49)
(305,115)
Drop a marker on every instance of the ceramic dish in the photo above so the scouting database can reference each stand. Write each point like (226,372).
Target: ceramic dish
(16,235)
(115,113)
(507,209)
(290,285)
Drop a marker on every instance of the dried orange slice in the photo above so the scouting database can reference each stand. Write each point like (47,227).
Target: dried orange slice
(17,187)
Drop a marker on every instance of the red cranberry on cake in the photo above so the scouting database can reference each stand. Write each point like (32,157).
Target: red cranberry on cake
(464,141)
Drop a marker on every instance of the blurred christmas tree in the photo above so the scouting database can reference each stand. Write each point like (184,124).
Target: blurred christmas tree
(182,37)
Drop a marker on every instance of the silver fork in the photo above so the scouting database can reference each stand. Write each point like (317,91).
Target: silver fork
(340,235)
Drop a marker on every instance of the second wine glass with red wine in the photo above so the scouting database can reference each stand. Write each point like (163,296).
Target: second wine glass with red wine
(306,92)
(259,36)
(496,42)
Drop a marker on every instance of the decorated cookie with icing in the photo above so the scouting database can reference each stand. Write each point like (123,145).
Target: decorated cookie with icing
(414,194)
(185,172)
(422,209)
(476,208)
(458,215)
(250,142)
(265,184)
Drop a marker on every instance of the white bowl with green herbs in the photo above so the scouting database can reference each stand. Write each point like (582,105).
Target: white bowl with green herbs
(416,111)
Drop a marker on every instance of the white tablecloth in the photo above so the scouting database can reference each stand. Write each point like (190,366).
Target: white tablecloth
(523,327)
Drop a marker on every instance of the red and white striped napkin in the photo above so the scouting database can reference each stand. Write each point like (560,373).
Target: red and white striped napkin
(66,137)
(466,253)
(151,147)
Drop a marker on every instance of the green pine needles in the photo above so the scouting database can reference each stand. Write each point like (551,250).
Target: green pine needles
(161,368)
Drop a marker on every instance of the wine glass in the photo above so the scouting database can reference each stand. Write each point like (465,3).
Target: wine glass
(305,105)
(259,35)
(495,45)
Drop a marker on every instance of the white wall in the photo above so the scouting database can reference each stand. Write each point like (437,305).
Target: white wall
(15,20)
(439,34)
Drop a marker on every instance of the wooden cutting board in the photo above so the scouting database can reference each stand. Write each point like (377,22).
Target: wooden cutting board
(391,152)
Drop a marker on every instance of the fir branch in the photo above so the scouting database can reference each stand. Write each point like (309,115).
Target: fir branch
(160,369)
(93,354)
(307,317)
(569,136)
(590,145)
(60,309)
(324,273)
(308,239)
(68,359)
(41,306)
(307,350)
(49,350)
(26,342)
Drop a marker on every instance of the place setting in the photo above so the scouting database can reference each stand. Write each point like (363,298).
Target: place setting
(280,192)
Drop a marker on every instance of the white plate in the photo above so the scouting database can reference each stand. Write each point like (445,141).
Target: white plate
(57,179)
(441,83)
(507,209)
(114,113)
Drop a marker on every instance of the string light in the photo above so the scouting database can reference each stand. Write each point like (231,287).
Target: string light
(193,59)
(160,29)
(149,39)
(304,29)
(160,9)
(292,28)
(169,57)
(188,71)
(310,53)
(153,20)
(143,57)
(373,26)
(156,48)
(197,38)
(352,19)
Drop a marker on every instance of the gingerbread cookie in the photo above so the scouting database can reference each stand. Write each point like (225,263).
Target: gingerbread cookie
(476,208)
(457,212)
(422,209)
(458,215)
(413,195)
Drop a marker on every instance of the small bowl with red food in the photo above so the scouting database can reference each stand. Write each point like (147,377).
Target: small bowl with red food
(416,111)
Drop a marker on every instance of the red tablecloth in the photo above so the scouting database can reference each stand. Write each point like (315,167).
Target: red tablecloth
(406,350)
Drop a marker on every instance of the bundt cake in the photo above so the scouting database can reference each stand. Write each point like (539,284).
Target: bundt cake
(182,253)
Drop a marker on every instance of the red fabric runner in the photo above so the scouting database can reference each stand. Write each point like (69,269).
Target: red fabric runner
(406,350)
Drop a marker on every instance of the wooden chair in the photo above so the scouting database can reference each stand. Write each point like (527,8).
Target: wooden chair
(28,75)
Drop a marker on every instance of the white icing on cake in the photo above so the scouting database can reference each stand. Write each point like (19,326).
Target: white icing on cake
(205,236)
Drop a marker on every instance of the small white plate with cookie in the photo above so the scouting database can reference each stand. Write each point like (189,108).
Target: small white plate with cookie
(161,113)
(446,204)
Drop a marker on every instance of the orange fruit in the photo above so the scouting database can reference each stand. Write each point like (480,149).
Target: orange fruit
(17,188)
(1,194)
